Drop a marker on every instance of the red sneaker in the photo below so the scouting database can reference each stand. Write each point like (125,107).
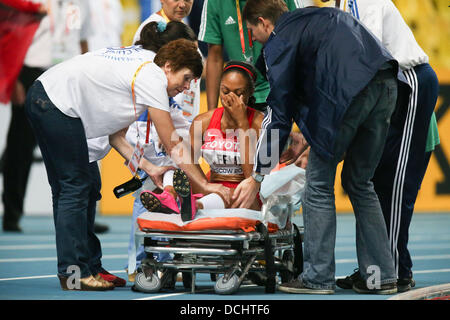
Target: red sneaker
(118,282)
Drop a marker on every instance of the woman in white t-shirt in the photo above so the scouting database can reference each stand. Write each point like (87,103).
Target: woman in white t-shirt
(91,96)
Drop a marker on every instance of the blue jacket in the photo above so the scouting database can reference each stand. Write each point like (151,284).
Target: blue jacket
(317,61)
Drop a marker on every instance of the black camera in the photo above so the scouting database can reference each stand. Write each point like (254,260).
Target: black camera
(128,187)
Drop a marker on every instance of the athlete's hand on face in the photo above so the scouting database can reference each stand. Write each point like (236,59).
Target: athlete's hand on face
(236,108)
(245,193)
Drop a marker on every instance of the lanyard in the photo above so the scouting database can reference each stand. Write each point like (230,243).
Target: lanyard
(241,33)
(147,137)
(134,104)
(163,14)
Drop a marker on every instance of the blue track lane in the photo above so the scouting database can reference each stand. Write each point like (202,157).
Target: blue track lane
(28,263)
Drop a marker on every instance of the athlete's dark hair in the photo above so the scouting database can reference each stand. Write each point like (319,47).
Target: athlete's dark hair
(153,39)
(248,71)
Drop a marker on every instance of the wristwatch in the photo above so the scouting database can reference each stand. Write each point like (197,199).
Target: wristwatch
(258,177)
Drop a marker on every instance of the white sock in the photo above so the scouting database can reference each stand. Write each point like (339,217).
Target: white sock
(212,201)
(168,178)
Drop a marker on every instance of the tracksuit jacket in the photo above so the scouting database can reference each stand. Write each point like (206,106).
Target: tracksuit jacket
(316,61)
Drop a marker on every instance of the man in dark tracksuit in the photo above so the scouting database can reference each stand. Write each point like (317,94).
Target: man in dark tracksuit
(336,81)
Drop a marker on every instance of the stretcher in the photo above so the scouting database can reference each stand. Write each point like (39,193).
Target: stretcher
(229,244)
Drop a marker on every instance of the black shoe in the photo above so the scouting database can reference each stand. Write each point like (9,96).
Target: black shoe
(405,284)
(360,286)
(347,282)
(12,227)
(182,186)
(297,286)
(100,228)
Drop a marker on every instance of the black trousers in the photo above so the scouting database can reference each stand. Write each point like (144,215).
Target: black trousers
(402,167)
(18,155)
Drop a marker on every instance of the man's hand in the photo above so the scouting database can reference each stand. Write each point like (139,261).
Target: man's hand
(298,146)
(221,190)
(302,161)
(155,173)
(245,193)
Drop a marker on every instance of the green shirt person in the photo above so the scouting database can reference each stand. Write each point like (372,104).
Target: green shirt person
(222,28)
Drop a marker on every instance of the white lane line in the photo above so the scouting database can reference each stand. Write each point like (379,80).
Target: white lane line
(107,256)
(412,238)
(49,276)
(416,272)
(431,271)
(51,237)
(53,246)
(410,247)
(162,296)
(182,293)
(28,278)
(414,258)
(149,298)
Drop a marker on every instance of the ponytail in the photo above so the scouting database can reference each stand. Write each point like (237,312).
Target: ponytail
(251,102)
(154,34)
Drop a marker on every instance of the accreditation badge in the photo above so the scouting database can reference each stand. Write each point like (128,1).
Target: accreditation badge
(138,153)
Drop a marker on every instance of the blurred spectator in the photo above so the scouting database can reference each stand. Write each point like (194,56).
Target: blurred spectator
(61,35)
(19,21)
(107,16)
(222,29)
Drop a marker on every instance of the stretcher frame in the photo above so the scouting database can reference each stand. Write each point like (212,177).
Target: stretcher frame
(233,254)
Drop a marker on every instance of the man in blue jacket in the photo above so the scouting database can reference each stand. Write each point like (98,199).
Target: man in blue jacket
(335,80)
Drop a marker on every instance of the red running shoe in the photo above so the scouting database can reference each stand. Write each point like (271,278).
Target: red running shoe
(118,282)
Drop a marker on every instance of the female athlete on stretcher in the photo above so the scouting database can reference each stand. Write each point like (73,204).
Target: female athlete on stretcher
(217,136)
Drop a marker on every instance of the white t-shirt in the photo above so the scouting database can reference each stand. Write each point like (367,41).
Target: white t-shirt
(188,100)
(153,151)
(96,87)
(59,33)
(98,148)
(384,20)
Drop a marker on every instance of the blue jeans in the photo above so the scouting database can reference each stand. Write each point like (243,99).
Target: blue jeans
(359,143)
(75,183)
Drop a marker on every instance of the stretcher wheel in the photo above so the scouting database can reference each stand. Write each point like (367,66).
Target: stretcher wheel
(287,272)
(187,280)
(147,285)
(229,286)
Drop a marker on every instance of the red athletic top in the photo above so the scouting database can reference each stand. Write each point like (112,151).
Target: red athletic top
(221,149)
